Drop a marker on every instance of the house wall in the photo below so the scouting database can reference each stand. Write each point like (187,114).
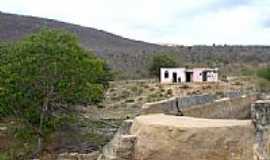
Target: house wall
(212,77)
(198,75)
(180,74)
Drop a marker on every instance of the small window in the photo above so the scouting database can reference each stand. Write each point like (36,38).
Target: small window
(166,74)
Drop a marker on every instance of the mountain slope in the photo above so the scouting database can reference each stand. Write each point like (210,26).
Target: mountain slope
(130,57)
(109,46)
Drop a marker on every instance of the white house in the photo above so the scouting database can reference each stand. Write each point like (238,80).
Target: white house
(179,75)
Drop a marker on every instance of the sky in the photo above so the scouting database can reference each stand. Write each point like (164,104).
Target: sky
(183,22)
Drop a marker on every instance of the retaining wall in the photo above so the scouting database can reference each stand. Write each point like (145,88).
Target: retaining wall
(174,104)
(234,106)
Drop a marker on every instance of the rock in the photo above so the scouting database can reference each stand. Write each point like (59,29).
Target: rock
(122,145)
(3,128)
(260,114)
(164,137)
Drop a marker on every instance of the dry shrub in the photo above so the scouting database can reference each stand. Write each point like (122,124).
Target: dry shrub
(170,92)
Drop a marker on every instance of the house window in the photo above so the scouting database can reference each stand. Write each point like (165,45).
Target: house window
(166,74)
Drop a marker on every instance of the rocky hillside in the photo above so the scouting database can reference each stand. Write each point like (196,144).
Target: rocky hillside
(129,57)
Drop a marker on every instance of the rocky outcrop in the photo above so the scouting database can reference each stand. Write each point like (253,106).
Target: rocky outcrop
(122,145)
(165,137)
(260,113)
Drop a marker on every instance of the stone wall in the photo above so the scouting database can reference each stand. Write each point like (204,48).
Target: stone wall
(164,106)
(233,94)
(175,104)
(184,102)
(122,145)
(234,108)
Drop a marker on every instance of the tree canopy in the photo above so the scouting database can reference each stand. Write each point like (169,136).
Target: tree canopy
(161,60)
(45,75)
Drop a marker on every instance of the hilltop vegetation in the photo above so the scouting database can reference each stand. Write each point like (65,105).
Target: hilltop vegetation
(130,58)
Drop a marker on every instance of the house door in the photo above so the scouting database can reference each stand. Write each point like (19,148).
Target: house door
(174,77)
(204,76)
(189,76)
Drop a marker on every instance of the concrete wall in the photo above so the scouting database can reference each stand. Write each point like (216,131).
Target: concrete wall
(234,106)
(180,74)
(185,102)
(228,108)
(198,75)
(164,106)
(175,104)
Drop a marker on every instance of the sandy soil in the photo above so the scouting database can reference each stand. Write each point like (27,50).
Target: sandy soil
(189,122)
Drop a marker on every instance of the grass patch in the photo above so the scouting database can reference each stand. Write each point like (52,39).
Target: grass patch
(3,156)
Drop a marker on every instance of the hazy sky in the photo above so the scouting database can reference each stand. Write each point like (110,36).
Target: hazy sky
(161,21)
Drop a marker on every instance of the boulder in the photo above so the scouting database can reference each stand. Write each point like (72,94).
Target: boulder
(165,137)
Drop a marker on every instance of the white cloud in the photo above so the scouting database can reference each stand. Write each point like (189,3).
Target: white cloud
(173,21)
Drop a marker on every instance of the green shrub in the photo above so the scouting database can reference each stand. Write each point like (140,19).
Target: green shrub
(100,106)
(125,94)
(162,90)
(264,73)
(185,86)
(136,90)
(248,72)
(146,86)
(46,74)
(220,94)
(263,85)
(3,156)
(154,97)
(170,92)
(130,101)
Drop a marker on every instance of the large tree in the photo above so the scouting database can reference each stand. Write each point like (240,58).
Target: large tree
(161,60)
(45,75)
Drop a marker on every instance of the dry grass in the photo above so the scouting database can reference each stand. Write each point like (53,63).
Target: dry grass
(125,98)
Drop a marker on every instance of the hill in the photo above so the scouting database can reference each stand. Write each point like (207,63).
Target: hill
(129,57)
(117,50)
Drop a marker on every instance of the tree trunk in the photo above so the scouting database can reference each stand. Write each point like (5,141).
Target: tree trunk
(40,129)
